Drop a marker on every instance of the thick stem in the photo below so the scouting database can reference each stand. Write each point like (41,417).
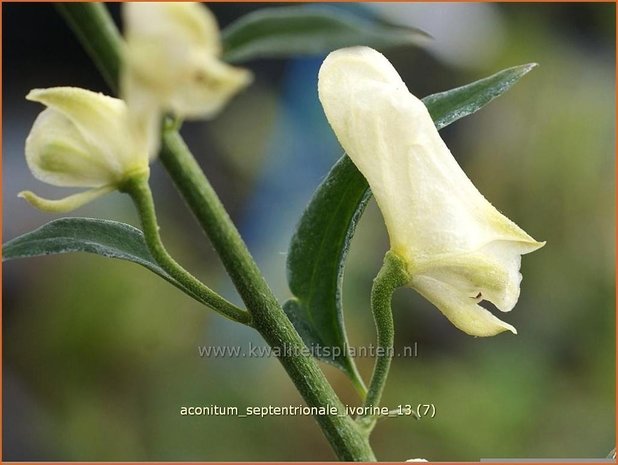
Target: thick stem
(268,317)
(138,189)
(392,275)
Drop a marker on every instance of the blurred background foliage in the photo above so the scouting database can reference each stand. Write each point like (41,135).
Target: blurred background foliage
(99,355)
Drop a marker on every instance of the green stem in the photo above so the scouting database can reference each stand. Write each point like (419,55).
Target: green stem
(269,319)
(392,275)
(98,34)
(357,380)
(138,189)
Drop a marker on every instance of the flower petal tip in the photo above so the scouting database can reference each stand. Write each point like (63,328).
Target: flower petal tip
(39,95)
(494,332)
(491,331)
(503,327)
(65,205)
(33,95)
(46,205)
(532,246)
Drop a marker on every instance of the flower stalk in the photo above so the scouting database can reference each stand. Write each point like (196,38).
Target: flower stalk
(391,276)
(139,190)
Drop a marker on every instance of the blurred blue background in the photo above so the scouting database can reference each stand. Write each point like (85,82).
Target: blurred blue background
(100,355)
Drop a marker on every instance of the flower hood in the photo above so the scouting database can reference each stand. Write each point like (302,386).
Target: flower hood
(459,249)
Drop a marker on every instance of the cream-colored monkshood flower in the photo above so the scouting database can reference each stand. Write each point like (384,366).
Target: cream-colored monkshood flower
(459,250)
(172,62)
(82,139)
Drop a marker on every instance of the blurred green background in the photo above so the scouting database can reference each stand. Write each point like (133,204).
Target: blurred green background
(100,355)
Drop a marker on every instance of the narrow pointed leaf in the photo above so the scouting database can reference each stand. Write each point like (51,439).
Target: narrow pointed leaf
(320,244)
(451,105)
(101,237)
(309,30)
(316,257)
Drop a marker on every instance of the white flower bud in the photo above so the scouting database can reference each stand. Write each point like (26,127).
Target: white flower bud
(171,62)
(82,139)
(458,248)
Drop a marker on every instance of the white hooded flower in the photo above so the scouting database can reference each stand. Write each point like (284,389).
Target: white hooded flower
(82,139)
(458,248)
(172,63)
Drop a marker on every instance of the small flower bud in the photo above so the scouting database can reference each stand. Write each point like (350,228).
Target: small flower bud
(82,139)
(171,62)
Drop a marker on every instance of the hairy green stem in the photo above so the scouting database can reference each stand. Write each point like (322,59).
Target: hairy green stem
(391,276)
(139,190)
(269,318)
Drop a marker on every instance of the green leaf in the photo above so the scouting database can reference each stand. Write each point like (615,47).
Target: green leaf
(320,244)
(308,30)
(102,237)
(451,105)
